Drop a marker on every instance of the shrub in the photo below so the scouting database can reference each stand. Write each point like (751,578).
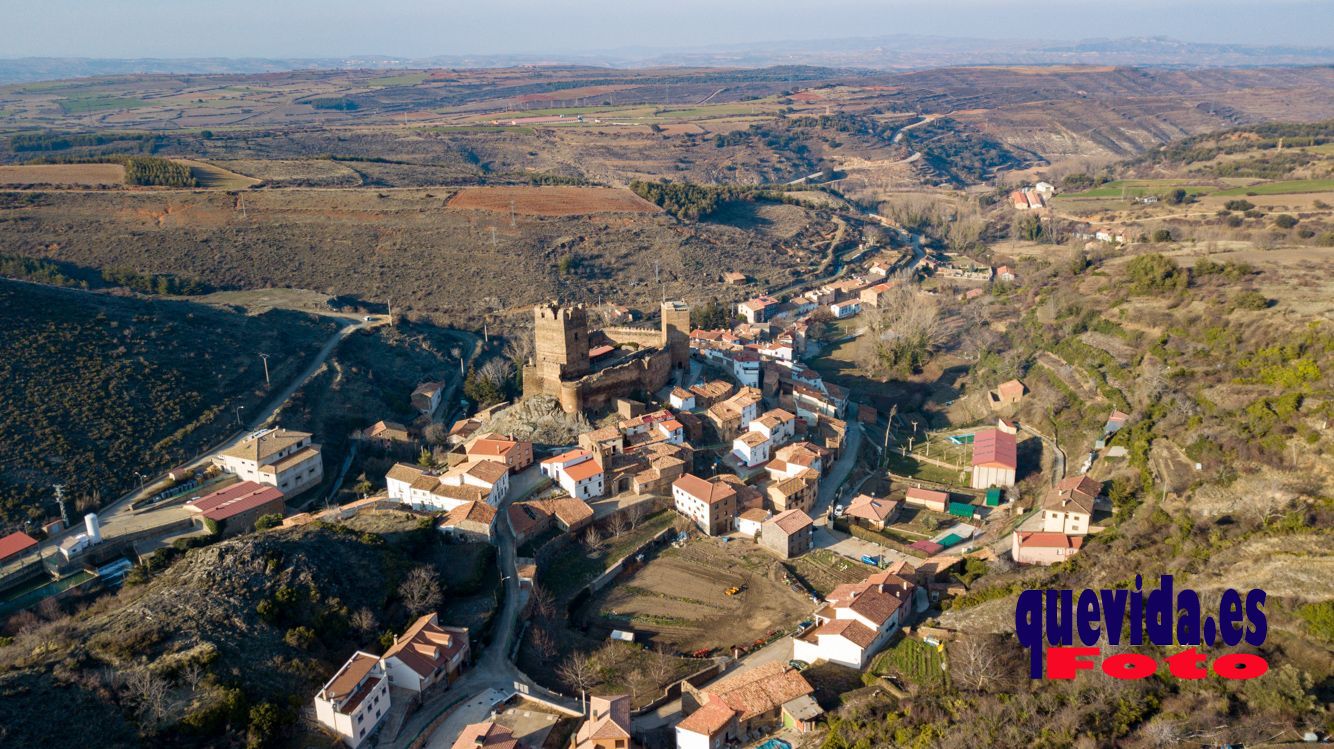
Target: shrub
(1239,205)
(1162,235)
(1285,221)
(1250,300)
(271,520)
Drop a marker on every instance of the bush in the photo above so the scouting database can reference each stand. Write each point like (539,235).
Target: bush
(1162,235)
(272,520)
(300,638)
(1156,274)
(1285,221)
(1239,205)
(1250,300)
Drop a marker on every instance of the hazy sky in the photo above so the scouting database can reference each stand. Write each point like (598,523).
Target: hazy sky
(420,28)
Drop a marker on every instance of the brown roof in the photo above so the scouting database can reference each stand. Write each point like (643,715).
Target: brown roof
(791,521)
(927,495)
(405,473)
(1010,389)
(1046,540)
(801,453)
(265,445)
(296,458)
(760,689)
(472,512)
(349,676)
(871,508)
(498,446)
(487,470)
(463,493)
(850,629)
(489,735)
(425,646)
(568,510)
(753,439)
(754,514)
(709,719)
(711,492)
(876,605)
(585,470)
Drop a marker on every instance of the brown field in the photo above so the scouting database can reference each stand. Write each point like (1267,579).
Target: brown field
(551,201)
(74,175)
(214,176)
(677,599)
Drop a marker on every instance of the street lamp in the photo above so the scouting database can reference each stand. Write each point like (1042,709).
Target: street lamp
(239,409)
(265,357)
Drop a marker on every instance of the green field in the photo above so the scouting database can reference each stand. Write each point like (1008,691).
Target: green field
(97,102)
(913,660)
(1139,187)
(407,79)
(1285,187)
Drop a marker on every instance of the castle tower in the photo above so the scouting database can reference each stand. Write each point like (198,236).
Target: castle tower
(561,341)
(676,332)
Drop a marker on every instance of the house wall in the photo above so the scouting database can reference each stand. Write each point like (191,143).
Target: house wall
(1069,523)
(688,740)
(987,476)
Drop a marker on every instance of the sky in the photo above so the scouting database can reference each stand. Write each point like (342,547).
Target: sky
(423,28)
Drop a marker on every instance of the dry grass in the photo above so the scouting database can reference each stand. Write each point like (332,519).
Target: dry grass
(551,201)
(69,175)
(215,177)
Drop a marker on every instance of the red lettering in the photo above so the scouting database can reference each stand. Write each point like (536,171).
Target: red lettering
(1062,663)
(1129,666)
(1188,664)
(1240,666)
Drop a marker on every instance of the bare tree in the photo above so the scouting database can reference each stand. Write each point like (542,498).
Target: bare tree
(49,609)
(436,434)
(497,371)
(193,675)
(976,664)
(421,590)
(660,666)
(903,331)
(149,693)
(1162,732)
(544,605)
(636,514)
(619,525)
(519,345)
(542,642)
(593,538)
(578,671)
(363,619)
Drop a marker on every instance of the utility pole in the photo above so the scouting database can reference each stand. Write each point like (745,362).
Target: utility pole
(265,357)
(493,237)
(512,223)
(60,502)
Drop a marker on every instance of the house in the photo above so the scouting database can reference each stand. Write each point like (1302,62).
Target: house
(796,493)
(931,500)
(236,508)
(608,724)
(746,367)
(734,278)
(876,295)
(859,619)
(682,399)
(385,432)
(843,310)
(16,545)
(1007,393)
(427,654)
(872,512)
(711,392)
(748,522)
(1005,273)
(488,735)
(788,534)
(1068,509)
(812,403)
(754,701)
(515,454)
(1008,426)
(491,476)
(577,472)
(777,425)
(278,457)
(751,449)
(972,293)
(1041,547)
(757,310)
(783,349)
(471,521)
(994,458)
(797,460)
(354,702)
(711,504)
(426,397)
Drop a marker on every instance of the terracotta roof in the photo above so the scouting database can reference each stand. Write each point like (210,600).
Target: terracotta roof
(791,521)
(755,515)
(927,495)
(566,456)
(489,735)
(1010,389)
(464,493)
(992,447)
(16,543)
(850,629)
(1044,540)
(425,646)
(1073,494)
(803,454)
(497,446)
(235,499)
(405,473)
(473,512)
(711,492)
(876,605)
(583,471)
(682,393)
(568,510)
(348,678)
(760,689)
(487,470)
(752,439)
(871,508)
(265,445)
(708,720)
(788,487)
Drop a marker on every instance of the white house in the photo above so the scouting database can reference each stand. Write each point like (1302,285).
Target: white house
(711,504)
(473,481)
(995,459)
(757,310)
(751,448)
(682,399)
(842,310)
(859,620)
(750,521)
(577,472)
(427,654)
(1068,509)
(1040,547)
(280,458)
(354,702)
(778,425)
(746,367)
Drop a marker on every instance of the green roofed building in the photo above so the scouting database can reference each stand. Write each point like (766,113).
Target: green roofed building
(993,497)
(950,540)
(961,509)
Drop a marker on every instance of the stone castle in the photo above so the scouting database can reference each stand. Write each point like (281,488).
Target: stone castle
(574,365)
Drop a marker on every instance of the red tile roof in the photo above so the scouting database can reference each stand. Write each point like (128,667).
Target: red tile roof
(1044,540)
(711,492)
(235,499)
(583,471)
(791,521)
(16,543)
(992,447)
(425,646)
(711,718)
